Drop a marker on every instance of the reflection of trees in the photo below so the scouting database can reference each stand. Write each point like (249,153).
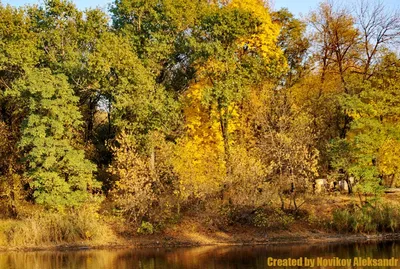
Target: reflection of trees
(197,257)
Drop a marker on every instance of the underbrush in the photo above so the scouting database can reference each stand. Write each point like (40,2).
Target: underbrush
(273,219)
(260,217)
(368,219)
(52,228)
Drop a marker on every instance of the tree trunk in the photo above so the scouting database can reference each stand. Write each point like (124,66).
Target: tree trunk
(152,159)
(282,201)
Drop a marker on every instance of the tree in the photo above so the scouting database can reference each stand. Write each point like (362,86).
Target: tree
(61,176)
(337,37)
(379,28)
(153,28)
(234,51)
(286,143)
(294,44)
(375,126)
(17,51)
(335,41)
(134,190)
(11,182)
(56,26)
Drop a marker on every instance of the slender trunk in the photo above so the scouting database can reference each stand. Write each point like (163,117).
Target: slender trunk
(346,123)
(392,181)
(349,186)
(223,121)
(224,131)
(294,201)
(90,123)
(282,201)
(361,201)
(109,118)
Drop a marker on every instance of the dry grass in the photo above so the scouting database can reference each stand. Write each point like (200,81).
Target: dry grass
(46,229)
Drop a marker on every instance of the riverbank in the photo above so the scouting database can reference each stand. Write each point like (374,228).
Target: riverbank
(193,239)
(195,228)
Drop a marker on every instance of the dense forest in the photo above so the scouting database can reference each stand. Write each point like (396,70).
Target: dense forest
(158,108)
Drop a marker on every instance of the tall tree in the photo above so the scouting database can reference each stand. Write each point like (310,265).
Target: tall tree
(294,43)
(371,145)
(379,28)
(17,51)
(234,51)
(61,176)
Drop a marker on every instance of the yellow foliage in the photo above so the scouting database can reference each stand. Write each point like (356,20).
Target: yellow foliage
(389,158)
(203,122)
(266,38)
(246,185)
(200,154)
(200,167)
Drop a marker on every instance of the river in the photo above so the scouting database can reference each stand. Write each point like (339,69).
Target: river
(332,255)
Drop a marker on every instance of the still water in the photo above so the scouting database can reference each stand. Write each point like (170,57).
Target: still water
(209,257)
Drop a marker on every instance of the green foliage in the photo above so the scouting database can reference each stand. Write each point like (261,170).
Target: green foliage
(273,219)
(145,228)
(382,218)
(293,42)
(61,176)
(208,103)
(17,43)
(374,110)
(154,26)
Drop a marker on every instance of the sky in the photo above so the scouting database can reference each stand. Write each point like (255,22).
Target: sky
(297,7)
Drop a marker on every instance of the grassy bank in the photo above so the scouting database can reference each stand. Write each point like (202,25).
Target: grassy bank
(48,229)
(328,218)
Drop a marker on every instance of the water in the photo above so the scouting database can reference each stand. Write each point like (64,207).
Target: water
(208,257)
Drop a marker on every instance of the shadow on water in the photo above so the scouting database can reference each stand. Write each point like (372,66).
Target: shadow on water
(208,257)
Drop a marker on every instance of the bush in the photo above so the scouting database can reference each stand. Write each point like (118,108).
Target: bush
(145,228)
(382,218)
(133,192)
(261,217)
(276,219)
(343,220)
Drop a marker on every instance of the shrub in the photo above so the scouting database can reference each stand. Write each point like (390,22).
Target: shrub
(382,218)
(276,219)
(341,220)
(145,228)
(133,192)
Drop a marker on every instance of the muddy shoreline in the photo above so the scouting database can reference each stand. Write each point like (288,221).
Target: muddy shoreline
(160,241)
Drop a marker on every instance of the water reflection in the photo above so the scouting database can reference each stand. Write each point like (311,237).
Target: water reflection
(210,257)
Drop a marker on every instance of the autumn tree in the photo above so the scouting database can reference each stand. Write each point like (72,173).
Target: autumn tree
(234,49)
(294,43)
(379,28)
(154,28)
(287,145)
(134,191)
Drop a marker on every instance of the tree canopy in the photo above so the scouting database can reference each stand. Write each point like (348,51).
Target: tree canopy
(160,104)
